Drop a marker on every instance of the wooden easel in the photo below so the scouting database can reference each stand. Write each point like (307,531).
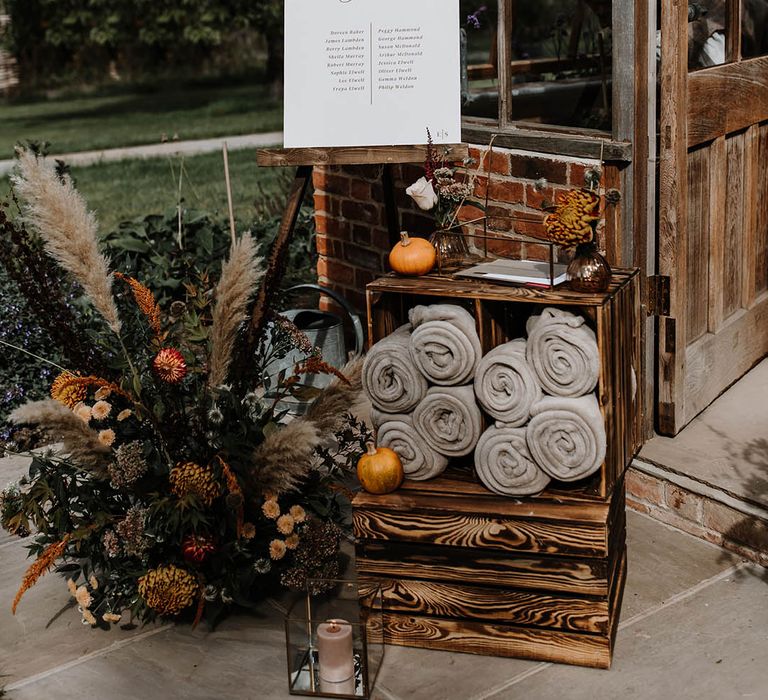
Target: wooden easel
(305,159)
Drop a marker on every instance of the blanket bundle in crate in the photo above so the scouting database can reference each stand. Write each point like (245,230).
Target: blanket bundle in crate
(419,380)
(428,381)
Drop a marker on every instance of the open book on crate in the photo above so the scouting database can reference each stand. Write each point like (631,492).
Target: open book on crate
(528,272)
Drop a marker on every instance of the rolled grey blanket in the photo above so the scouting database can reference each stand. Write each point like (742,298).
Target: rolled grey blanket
(504,463)
(390,377)
(566,437)
(420,461)
(449,420)
(444,343)
(562,350)
(505,384)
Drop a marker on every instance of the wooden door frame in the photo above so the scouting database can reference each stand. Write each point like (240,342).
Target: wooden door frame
(687,120)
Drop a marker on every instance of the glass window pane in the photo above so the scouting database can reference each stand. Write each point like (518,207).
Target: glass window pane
(706,33)
(754,28)
(480,84)
(562,62)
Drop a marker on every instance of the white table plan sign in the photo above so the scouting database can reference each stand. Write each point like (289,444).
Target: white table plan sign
(371,72)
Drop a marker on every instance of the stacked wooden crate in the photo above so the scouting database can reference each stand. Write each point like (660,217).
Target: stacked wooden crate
(463,569)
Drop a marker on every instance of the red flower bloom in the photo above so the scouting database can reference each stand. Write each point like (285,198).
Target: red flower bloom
(196,548)
(170,366)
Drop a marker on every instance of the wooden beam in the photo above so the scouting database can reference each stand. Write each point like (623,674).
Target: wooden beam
(353,155)
(545,141)
(733,14)
(643,219)
(728,98)
(673,211)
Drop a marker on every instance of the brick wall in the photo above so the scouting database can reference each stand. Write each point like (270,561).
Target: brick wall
(704,517)
(352,237)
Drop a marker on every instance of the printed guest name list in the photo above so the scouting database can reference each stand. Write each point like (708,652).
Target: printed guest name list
(366,73)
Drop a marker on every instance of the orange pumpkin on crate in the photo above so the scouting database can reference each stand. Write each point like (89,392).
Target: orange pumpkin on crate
(380,470)
(412,257)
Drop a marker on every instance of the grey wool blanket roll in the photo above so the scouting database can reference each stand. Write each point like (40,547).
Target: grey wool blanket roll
(444,343)
(567,437)
(504,463)
(505,385)
(449,420)
(563,352)
(420,462)
(390,377)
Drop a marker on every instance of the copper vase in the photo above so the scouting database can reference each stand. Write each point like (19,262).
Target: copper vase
(452,249)
(589,271)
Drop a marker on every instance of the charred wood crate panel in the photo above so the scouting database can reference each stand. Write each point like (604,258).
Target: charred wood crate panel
(491,575)
(463,569)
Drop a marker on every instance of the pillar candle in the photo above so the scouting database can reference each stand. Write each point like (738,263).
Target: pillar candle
(334,650)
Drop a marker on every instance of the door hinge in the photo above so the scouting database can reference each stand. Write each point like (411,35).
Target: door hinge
(659,295)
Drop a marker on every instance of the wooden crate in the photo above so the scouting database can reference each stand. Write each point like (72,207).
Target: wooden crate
(501,312)
(465,570)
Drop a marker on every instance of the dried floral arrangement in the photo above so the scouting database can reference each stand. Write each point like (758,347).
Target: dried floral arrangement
(442,190)
(178,490)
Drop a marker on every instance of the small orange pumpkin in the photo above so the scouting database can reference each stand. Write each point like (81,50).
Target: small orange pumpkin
(412,256)
(380,471)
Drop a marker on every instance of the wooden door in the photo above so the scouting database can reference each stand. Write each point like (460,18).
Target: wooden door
(713,214)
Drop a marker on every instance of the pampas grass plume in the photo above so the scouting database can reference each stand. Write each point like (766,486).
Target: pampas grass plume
(57,211)
(60,423)
(240,276)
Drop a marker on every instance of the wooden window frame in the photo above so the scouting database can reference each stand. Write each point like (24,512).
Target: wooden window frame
(560,140)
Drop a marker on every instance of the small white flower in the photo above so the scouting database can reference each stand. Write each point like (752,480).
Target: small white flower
(423,193)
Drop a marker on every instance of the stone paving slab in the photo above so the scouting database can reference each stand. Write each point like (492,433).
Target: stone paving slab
(673,579)
(713,645)
(725,447)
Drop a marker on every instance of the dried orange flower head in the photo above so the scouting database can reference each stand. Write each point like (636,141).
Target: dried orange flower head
(190,478)
(168,589)
(170,366)
(572,221)
(277,549)
(285,524)
(67,390)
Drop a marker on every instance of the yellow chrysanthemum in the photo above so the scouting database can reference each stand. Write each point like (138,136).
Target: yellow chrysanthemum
(168,589)
(298,514)
(67,390)
(271,509)
(571,223)
(249,531)
(83,412)
(101,409)
(277,549)
(102,393)
(107,437)
(292,542)
(83,597)
(127,413)
(285,524)
(111,617)
(190,478)
(88,617)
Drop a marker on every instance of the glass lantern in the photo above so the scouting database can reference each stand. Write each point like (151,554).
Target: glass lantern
(335,640)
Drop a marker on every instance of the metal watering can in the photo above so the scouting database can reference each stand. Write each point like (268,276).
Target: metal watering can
(325,331)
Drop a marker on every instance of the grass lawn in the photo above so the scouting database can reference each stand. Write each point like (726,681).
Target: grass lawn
(140,116)
(135,188)
(131,189)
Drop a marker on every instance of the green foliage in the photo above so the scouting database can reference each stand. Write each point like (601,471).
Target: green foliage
(23,379)
(151,250)
(142,33)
